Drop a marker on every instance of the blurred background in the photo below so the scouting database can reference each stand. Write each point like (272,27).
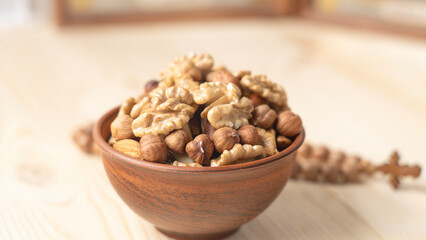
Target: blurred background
(355,70)
(385,14)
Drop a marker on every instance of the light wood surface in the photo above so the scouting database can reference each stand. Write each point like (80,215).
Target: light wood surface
(356,91)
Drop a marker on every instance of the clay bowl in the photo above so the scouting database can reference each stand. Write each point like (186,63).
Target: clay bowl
(195,203)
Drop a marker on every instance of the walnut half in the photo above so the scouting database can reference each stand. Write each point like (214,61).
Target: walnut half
(226,108)
(238,152)
(163,111)
(262,86)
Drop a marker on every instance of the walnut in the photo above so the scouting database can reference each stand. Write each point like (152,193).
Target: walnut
(181,164)
(203,61)
(238,152)
(217,94)
(182,66)
(264,116)
(163,111)
(241,73)
(289,124)
(177,140)
(187,83)
(248,134)
(169,81)
(225,108)
(184,81)
(129,147)
(225,138)
(200,149)
(271,92)
(267,140)
(153,148)
(222,76)
(232,114)
(209,92)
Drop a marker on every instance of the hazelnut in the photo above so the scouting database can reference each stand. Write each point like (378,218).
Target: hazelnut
(222,76)
(331,169)
(207,127)
(320,153)
(283,142)
(225,138)
(350,168)
(310,169)
(129,147)
(151,85)
(200,149)
(177,140)
(264,116)
(289,124)
(153,148)
(83,139)
(248,134)
(257,100)
(121,127)
(336,157)
(304,151)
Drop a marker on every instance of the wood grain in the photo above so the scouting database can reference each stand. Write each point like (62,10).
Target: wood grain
(357,91)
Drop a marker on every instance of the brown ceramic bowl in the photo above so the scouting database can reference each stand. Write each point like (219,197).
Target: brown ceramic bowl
(195,203)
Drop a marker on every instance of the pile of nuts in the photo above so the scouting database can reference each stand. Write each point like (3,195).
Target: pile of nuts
(200,115)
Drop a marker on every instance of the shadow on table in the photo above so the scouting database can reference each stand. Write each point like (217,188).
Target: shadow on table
(413,186)
(306,211)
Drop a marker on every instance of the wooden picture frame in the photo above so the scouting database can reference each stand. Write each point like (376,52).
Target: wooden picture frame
(64,16)
(309,12)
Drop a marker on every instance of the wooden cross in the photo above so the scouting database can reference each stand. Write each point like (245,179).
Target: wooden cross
(396,171)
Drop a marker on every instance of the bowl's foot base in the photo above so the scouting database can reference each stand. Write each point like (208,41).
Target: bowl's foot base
(208,236)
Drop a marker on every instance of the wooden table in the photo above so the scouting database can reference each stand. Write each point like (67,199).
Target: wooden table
(356,91)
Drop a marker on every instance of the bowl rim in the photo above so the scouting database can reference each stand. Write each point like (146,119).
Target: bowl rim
(109,150)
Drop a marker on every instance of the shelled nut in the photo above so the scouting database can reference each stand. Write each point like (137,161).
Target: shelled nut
(264,116)
(222,76)
(177,140)
(200,149)
(283,142)
(153,148)
(257,100)
(121,127)
(248,135)
(225,138)
(129,147)
(289,124)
